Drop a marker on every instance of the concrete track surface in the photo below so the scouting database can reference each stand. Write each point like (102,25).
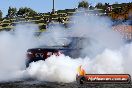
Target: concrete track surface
(42,84)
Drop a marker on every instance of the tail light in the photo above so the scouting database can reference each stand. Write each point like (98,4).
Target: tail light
(30,54)
(58,53)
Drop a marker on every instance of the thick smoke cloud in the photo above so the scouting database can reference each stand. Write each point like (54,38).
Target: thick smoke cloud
(13,46)
(105,52)
(60,69)
(64,68)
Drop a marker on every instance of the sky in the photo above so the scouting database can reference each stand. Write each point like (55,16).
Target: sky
(46,5)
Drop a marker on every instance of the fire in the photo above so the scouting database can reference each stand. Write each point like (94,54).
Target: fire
(81,71)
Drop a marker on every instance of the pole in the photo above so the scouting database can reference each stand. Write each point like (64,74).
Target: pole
(53,10)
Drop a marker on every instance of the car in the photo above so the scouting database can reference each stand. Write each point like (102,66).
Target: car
(71,48)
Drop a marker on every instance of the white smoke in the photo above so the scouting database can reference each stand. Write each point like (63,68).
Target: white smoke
(13,46)
(64,69)
(60,69)
(105,54)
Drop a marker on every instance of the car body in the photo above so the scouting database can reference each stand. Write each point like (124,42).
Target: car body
(72,49)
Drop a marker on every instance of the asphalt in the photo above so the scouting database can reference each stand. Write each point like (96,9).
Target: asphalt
(42,84)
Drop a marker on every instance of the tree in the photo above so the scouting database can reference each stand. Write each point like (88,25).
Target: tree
(11,12)
(116,10)
(26,12)
(106,4)
(99,5)
(83,4)
(0,14)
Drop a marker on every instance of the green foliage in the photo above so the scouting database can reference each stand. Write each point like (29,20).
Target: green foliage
(83,4)
(11,12)
(26,12)
(99,5)
(0,14)
(117,10)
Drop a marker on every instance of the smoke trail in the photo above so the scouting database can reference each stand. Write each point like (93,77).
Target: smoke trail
(105,53)
(13,46)
(64,68)
(60,69)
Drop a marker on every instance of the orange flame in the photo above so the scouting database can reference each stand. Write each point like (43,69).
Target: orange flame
(81,71)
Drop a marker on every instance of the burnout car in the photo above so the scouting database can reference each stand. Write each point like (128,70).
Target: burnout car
(72,48)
